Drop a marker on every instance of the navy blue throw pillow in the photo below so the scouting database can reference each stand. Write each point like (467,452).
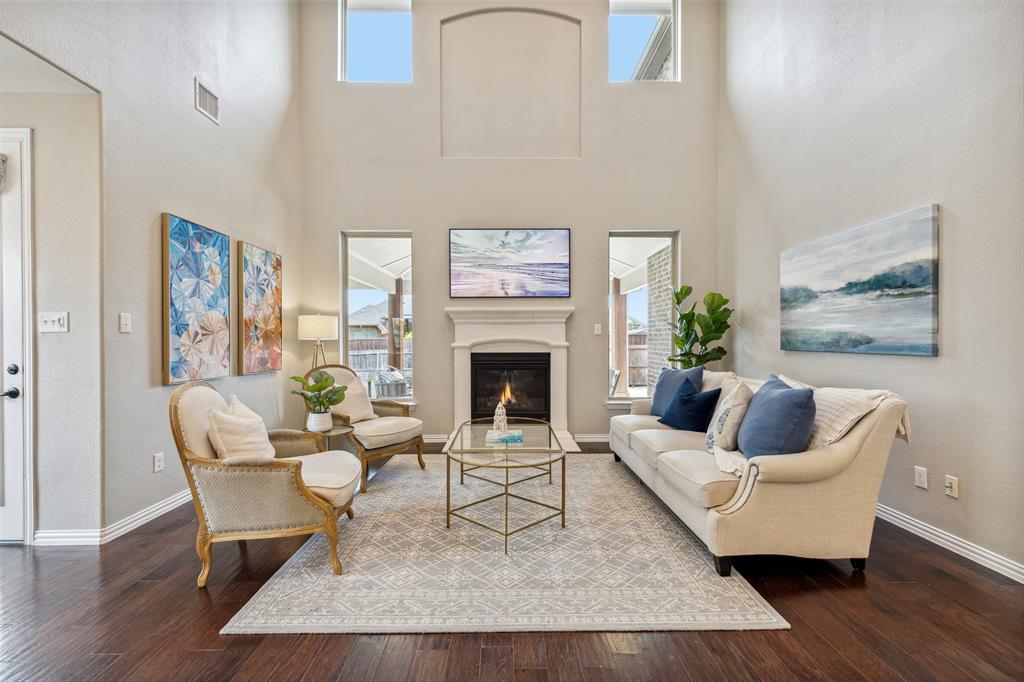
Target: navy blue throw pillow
(778,421)
(689,410)
(669,382)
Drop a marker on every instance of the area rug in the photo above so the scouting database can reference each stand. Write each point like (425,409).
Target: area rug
(623,563)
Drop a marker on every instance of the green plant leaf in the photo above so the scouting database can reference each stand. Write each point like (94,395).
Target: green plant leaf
(680,294)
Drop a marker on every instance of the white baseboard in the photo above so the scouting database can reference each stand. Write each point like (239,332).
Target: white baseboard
(100,536)
(435,438)
(591,437)
(965,548)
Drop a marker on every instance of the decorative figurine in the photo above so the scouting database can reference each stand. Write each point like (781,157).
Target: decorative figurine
(500,420)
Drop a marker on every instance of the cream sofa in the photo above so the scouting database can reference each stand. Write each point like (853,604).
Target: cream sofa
(817,504)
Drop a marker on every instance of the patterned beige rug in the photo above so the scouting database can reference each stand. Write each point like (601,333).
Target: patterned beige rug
(624,563)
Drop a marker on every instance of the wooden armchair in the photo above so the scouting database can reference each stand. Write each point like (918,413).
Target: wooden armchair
(380,428)
(303,490)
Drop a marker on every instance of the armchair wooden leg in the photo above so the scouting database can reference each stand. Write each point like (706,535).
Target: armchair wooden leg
(331,531)
(351,514)
(363,474)
(419,453)
(204,548)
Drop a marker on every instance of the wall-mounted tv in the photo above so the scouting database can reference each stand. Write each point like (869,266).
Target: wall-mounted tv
(509,263)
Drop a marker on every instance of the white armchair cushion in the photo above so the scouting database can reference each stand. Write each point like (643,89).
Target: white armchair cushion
(356,406)
(234,436)
(193,422)
(332,476)
(384,431)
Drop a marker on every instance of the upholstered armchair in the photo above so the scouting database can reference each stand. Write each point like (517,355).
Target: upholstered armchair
(302,490)
(380,428)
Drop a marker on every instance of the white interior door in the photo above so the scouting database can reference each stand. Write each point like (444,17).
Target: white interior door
(15,209)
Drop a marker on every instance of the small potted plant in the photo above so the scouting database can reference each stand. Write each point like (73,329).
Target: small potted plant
(320,395)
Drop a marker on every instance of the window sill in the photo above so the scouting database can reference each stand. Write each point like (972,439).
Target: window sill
(620,403)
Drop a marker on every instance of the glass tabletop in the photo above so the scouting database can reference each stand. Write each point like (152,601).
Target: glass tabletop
(527,443)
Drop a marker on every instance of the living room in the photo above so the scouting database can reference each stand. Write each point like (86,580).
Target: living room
(207,205)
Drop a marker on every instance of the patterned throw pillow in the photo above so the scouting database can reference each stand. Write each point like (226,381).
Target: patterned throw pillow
(725,424)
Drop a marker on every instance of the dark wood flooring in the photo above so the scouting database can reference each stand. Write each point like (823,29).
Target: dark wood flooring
(130,610)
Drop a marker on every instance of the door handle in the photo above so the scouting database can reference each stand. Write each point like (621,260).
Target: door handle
(11,393)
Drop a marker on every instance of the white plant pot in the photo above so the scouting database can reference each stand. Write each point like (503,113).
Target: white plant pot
(319,422)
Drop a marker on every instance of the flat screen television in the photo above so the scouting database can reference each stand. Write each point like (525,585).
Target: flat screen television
(508,263)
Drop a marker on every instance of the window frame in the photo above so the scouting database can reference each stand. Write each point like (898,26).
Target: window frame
(657,233)
(343,237)
(677,44)
(343,49)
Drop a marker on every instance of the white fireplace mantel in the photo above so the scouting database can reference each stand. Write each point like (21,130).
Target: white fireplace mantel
(513,329)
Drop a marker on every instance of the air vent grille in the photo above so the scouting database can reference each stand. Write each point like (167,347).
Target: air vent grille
(207,103)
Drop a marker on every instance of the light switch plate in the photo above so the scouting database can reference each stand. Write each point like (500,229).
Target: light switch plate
(53,323)
(158,462)
(124,323)
(597,329)
(953,486)
(921,477)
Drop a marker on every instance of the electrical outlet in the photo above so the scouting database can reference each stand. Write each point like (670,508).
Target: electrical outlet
(921,477)
(158,462)
(953,486)
(50,323)
(597,329)
(124,323)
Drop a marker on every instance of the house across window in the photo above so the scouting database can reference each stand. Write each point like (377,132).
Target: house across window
(642,40)
(377,285)
(641,277)
(376,38)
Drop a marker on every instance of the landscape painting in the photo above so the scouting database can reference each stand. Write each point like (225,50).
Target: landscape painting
(509,263)
(871,289)
(259,276)
(197,339)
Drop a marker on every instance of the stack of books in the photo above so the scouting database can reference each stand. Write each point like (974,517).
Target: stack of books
(503,437)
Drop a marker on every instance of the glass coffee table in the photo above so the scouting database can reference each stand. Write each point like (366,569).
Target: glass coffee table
(535,457)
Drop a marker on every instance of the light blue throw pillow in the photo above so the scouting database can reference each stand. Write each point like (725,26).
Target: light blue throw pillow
(778,421)
(668,384)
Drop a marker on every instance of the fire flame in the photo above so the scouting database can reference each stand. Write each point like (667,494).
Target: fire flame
(506,395)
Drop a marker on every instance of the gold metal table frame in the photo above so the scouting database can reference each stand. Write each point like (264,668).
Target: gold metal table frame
(507,458)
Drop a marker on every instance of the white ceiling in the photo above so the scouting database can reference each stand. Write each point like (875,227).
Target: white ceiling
(629,253)
(23,72)
(377,262)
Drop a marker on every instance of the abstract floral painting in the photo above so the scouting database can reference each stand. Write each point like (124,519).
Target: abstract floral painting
(871,289)
(197,336)
(259,276)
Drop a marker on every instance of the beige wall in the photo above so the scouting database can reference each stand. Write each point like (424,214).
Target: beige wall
(372,159)
(241,177)
(66,244)
(834,114)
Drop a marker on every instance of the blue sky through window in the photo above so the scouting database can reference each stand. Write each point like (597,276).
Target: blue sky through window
(636,305)
(379,47)
(627,37)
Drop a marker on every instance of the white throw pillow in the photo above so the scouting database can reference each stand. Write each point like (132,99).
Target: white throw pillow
(836,411)
(356,406)
(725,424)
(234,436)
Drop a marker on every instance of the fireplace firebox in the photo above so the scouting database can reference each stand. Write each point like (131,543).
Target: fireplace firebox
(520,381)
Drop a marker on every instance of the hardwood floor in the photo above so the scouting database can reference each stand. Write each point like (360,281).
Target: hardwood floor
(130,611)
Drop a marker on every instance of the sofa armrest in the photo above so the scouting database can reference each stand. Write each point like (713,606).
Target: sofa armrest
(806,467)
(292,443)
(390,408)
(640,406)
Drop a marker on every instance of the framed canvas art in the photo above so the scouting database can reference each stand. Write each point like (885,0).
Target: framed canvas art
(196,286)
(871,289)
(259,319)
(508,263)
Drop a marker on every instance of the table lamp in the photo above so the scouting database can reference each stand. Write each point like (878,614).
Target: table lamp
(318,328)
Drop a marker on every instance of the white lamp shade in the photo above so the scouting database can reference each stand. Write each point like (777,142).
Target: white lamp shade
(323,327)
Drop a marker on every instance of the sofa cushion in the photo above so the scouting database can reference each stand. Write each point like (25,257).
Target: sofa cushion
(778,421)
(669,382)
(332,476)
(383,431)
(624,424)
(691,411)
(725,425)
(695,474)
(650,444)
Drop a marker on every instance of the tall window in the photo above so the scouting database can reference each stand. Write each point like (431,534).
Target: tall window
(643,40)
(641,277)
(376,41)
(377,314)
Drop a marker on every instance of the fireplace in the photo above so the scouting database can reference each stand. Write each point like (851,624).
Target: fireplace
(520,381)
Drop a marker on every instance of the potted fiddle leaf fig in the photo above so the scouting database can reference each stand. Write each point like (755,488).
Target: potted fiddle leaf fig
(320,394)
(695,332)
